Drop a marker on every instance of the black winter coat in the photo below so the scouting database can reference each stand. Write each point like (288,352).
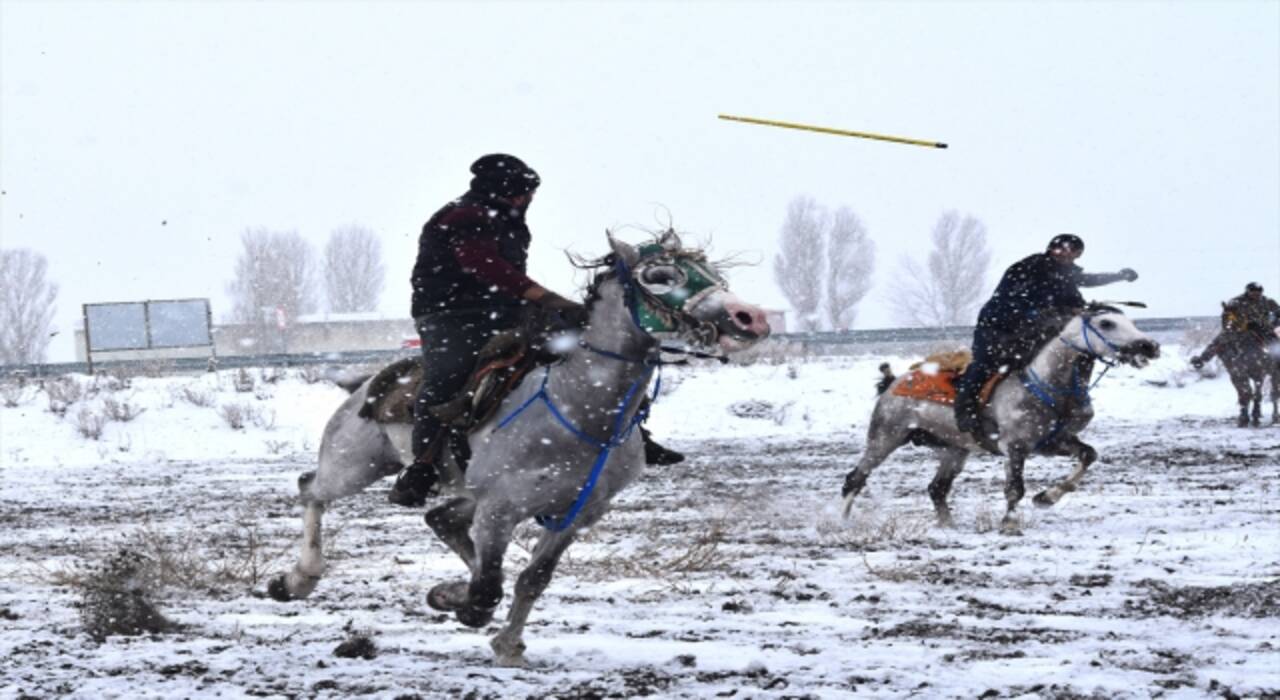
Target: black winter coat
(1033,286)
(441,282)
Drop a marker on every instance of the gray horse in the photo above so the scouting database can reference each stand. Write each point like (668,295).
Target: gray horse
(560,447)
(1039,410)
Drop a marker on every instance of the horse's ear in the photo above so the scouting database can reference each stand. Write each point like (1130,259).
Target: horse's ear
(670,241)
(625,251)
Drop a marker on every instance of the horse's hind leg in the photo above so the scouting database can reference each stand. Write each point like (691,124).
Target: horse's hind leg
(1085,456)
(1014,488)
(353,454)
(1256,417)
(882,440)
(949,467)
(509,643)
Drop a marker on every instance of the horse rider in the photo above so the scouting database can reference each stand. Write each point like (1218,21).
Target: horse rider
(1248,312)
(469,284)
(1024,309)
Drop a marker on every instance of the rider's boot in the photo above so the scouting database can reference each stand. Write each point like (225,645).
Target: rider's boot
(657,454)
(416,483)
(967,416)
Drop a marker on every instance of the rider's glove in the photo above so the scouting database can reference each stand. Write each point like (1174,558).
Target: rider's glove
(573,314)
(1128,274)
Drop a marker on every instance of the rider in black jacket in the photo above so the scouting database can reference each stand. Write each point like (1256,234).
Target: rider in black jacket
(1012,324)
(469,284)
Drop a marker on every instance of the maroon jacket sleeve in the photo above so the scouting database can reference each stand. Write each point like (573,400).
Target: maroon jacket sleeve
(480,257)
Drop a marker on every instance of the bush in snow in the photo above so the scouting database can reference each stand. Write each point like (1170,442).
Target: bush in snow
(121,411)
(90,422)
(237,415)
(194,395)
(243,381)
(117,597)
(63,392)
(14,394)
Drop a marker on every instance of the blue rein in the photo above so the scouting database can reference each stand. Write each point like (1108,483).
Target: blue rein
(622,428)
(1079,390)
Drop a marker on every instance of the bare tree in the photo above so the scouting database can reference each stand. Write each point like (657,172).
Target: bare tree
(798,267)
(353,269)
(948,291)
(851,258)
(26,307)
(274,283)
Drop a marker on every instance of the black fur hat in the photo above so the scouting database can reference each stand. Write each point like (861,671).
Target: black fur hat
(1070,241)
(502,175)
(1252,287)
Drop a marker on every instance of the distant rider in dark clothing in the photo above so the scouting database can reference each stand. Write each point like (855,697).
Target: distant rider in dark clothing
(1011,325)
(469,284)
(1249,312)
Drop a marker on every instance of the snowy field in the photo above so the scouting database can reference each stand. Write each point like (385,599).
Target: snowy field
(731,575)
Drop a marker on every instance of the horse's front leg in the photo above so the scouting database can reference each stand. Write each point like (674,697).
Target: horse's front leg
(491,531)
(1014,488)
(1085,455)
(509,643)
(451,522)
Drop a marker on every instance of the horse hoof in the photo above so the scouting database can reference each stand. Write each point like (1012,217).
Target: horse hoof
(278,590)
(1010,529)
(508,654)
(946,521)
(848,506)
(474,617)
(1042,500)
(447,597)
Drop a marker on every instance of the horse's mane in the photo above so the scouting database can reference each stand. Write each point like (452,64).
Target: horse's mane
(602,268)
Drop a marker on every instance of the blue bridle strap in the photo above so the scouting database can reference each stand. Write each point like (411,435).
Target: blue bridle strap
(621,431)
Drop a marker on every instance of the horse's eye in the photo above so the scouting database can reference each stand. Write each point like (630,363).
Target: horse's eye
(661,276)
(1107,324)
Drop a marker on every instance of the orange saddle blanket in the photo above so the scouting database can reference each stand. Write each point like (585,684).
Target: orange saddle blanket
(938,386)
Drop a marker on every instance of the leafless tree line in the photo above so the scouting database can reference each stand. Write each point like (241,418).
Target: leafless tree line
(26,306)
(825,263)
(277,279)
(826,260)
(948,289)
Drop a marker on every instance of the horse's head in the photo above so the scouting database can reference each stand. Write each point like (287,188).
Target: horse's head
(671,289)
(1105,332)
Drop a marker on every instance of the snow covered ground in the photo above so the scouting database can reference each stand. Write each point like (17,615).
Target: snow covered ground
(731,575)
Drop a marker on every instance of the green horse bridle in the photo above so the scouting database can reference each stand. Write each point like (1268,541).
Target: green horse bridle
(664,287)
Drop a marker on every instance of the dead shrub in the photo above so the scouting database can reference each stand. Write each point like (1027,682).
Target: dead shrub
(312,374)
(271,375)
(195,395)
(62,393)
(14,394)
(237,415)
(263,418)
(90,422)
(866,529)
(117,597)
(243,381)
(199,557)
(121,411)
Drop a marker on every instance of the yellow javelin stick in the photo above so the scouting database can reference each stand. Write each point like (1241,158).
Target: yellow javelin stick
(838,132)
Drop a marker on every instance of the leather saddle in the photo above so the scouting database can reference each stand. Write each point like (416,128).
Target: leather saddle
(934,379)
(500,365)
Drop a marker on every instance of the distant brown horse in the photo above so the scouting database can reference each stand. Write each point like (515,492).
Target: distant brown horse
(1250,356)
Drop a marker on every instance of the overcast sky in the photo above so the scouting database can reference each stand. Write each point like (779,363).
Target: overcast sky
(139,139)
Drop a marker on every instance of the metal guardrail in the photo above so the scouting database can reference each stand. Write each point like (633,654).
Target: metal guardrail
(878,336)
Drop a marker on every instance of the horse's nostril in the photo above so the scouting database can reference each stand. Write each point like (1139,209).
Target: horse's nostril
(743,318)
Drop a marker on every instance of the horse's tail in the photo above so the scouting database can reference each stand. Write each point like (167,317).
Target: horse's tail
(886,378)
